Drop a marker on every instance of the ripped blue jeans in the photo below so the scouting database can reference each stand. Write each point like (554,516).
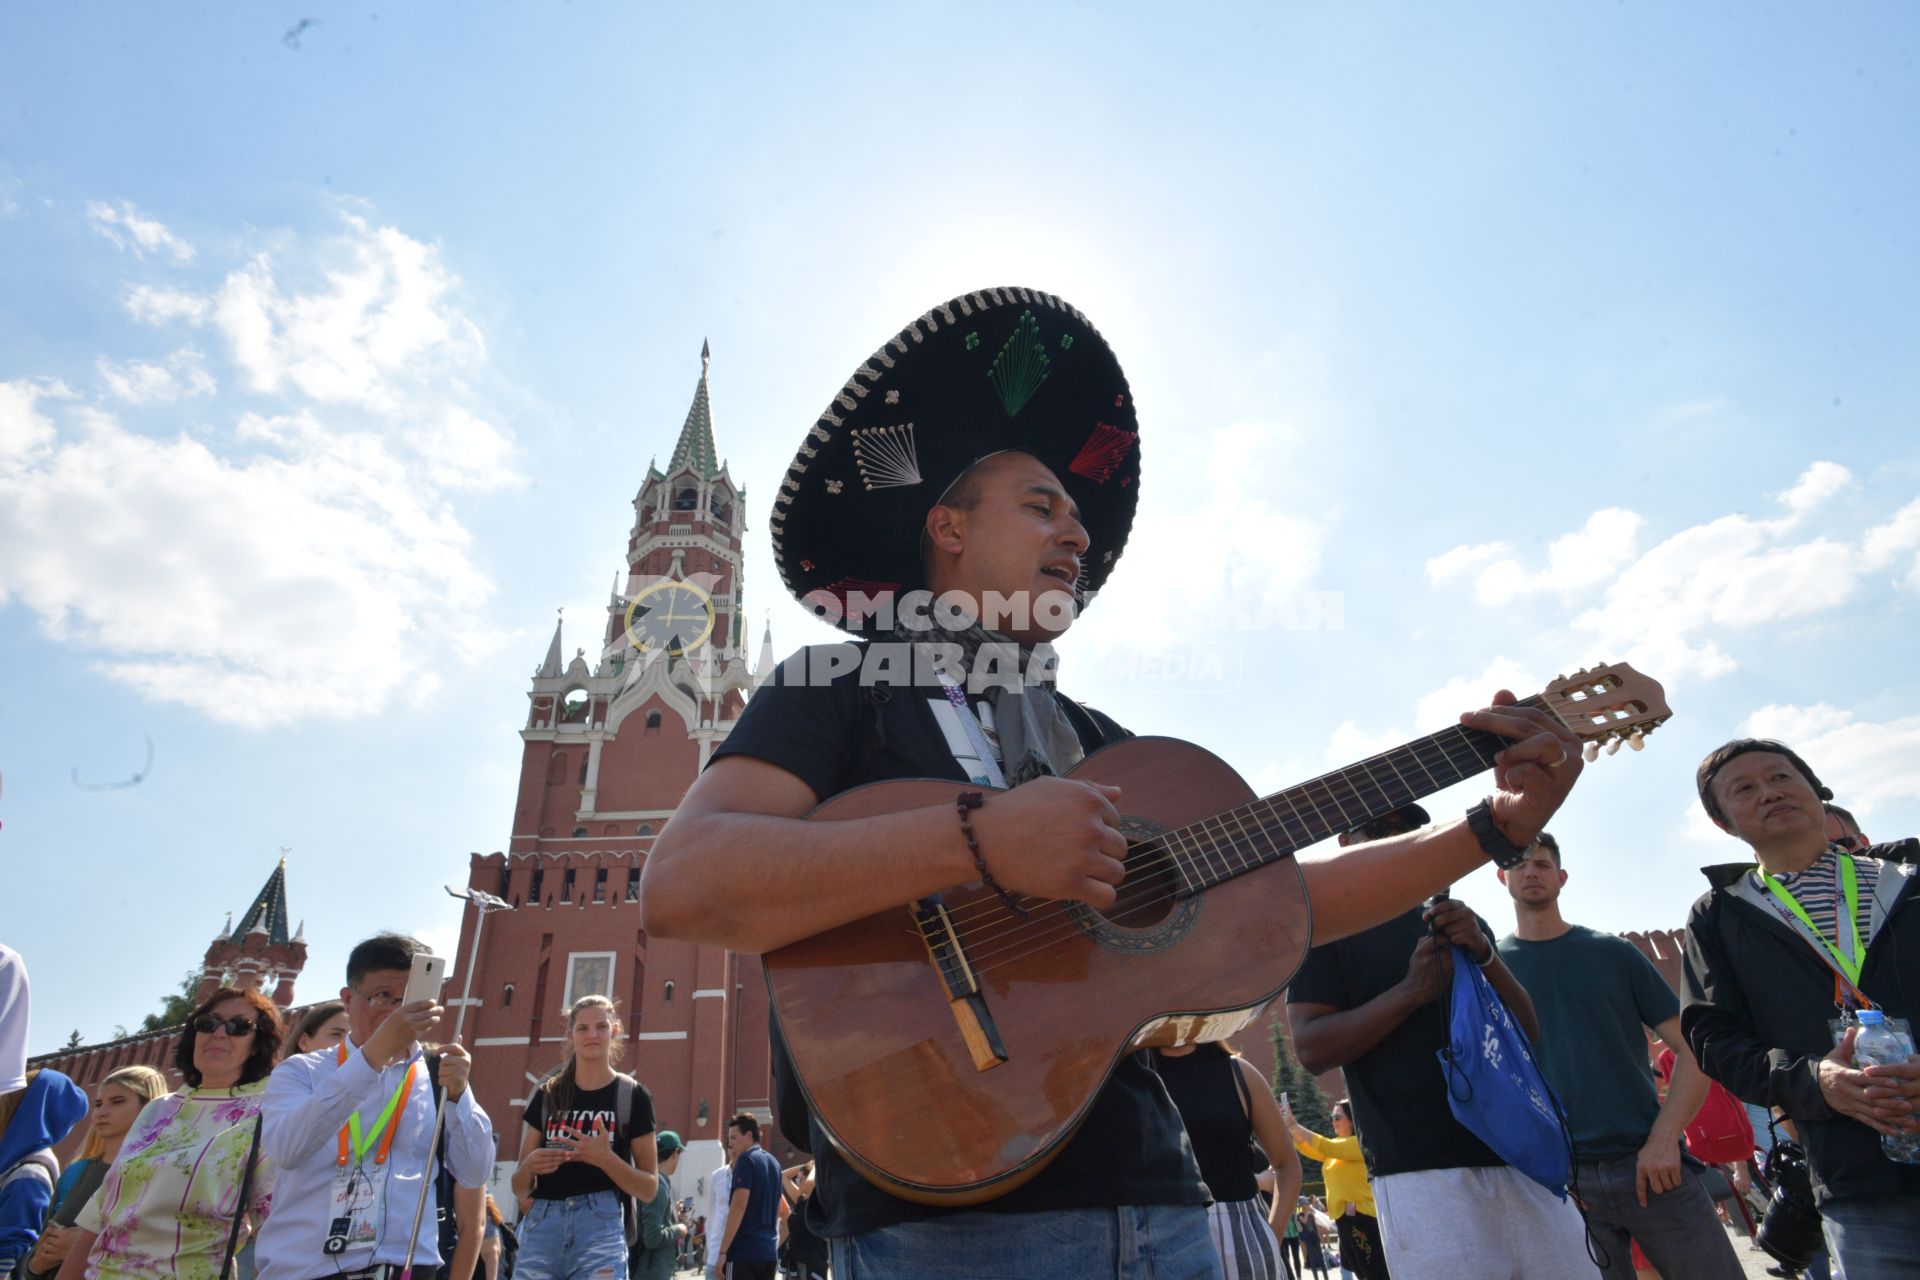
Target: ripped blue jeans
(579,1238)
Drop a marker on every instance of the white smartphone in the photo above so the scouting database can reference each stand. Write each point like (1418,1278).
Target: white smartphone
(425,977)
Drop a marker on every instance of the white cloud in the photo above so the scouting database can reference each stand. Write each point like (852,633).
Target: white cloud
(463,451)
(152,305)
(375,322)
(1666,609)
(303,581)
(1865,762)
(1462,558)
(302,561)
(23,428)
(143,382)
(130,230)
(1574,561)
(1816,484)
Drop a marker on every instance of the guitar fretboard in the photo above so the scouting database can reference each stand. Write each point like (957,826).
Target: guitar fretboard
(1229,844)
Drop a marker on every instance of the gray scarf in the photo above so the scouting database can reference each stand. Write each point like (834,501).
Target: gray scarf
(1036,738)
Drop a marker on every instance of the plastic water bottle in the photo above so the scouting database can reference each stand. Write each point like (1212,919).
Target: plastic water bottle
(1877,1045)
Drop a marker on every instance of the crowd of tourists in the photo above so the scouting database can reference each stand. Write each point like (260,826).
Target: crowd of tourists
(1502,1118)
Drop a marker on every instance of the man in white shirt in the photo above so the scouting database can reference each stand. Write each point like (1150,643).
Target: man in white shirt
(349,1129)
(719,1201)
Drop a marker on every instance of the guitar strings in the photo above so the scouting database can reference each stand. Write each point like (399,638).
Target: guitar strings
(1199,847)
(1201,844)
(1019,938)
(1013,939)
(1205,843)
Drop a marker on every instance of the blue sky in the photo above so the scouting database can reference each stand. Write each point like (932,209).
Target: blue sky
(330,362)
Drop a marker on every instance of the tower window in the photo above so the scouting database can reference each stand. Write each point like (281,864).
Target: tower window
(566,886)
(533,888)
(646,829)
(686,500)
(653,722)
(583,769)
(633,884)
(600,885)
(573,708)
(577,833)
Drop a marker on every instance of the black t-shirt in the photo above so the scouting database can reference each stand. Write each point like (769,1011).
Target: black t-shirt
(575,1178)
(1398,1087)
(834,735)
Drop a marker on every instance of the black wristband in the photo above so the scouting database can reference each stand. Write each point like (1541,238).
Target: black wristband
(1505,854)
(965,803)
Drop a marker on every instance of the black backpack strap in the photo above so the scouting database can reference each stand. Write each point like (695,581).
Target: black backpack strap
(240,1205)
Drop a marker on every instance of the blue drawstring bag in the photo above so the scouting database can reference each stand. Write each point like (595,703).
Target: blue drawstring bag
(1495,1087)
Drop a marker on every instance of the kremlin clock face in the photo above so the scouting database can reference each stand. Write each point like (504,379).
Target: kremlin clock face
(673,618)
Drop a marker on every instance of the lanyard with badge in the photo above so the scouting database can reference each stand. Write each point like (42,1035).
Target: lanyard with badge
(1847,995)
(359,1192)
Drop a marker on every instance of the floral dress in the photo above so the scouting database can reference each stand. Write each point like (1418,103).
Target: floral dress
(168,1203)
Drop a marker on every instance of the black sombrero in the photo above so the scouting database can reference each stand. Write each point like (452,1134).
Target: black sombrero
(1002,369)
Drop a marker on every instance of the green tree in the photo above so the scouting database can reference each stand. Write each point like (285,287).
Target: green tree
(1309,1104)
(73,1040)
(174,1008)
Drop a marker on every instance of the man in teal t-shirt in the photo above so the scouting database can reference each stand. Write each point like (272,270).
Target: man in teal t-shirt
(1596,996)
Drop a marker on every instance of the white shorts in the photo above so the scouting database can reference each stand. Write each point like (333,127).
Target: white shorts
(1479,1224)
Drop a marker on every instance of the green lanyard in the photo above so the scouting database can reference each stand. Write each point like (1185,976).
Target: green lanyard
(1849,965)
(398,1102)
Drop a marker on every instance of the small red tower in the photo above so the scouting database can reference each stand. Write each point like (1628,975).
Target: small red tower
(609,748)
(257,953)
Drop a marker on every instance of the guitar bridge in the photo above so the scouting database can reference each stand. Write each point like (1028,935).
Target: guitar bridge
(964,997)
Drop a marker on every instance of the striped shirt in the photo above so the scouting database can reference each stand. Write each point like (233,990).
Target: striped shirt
(1820,892)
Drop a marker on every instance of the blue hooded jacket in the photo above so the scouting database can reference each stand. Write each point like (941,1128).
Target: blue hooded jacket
(52,1106)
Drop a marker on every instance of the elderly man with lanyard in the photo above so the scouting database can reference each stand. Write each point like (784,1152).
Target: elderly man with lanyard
(985,457)
(349,1130)
(1780,952)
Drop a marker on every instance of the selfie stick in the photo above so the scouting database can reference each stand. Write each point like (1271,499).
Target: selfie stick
(482,903)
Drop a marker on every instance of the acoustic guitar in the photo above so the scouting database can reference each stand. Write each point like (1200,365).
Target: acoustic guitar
(949,1047)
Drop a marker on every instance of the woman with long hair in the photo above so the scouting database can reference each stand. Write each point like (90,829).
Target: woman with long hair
(116,1103)
(190,1179)
(582,1153)
(1227,1108)
(321,1027)
(1349,1194)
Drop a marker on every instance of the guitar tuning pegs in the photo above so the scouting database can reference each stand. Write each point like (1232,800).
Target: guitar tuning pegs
(1637,740)
(1614,745)
(1590,752)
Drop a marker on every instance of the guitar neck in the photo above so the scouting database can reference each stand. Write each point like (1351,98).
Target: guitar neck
(1278,826)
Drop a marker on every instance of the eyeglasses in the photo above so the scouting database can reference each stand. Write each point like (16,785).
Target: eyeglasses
(1851,842)
(206,1024)
(378,999)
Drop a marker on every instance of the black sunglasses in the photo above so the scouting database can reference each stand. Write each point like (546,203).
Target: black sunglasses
(207,1024)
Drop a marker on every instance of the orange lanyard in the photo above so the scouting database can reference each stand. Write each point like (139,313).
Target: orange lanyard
(383,1129)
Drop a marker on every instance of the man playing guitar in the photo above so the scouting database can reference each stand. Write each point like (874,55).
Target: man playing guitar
(985,457)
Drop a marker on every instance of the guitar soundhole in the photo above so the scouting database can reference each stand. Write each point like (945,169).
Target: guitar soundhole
(1147,894)
(1149,914)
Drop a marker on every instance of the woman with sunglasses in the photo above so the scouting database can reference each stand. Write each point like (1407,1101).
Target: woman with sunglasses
(172,1203)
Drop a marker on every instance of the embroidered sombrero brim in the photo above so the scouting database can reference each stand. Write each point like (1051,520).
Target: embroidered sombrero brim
(987,372)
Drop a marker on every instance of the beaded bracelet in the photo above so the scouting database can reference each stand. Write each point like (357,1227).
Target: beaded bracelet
(965,803)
